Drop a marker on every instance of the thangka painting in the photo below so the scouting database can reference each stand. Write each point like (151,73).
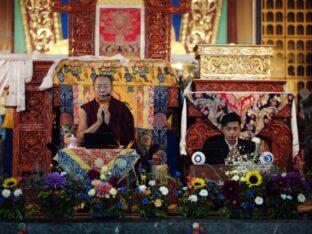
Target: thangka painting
(120,30)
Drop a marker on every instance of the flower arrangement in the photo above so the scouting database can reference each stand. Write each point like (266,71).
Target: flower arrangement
(199,198)
(104,198)
(243,197)
(152,199)
(12,200)
(58,194)
(284,192)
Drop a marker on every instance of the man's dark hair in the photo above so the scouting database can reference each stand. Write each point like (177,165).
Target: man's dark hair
(230,117)
(103,75)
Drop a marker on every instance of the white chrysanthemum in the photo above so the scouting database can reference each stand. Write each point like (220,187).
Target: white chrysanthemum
(227,173)
(91,192)
(6,193)
(235,178)
(301,198)
(259,200)
(289,197)
(104,169)
(103,177)
(17,192)
(164,190)
(142,188)
(185,188)
(203,193)
(283,196)
(195,225)
(99,162)
(242,179)
(193,198)
(152,183)
(284,174)
(113,192)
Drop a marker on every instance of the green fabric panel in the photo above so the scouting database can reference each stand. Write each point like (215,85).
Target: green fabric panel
(222,32)
(19,37)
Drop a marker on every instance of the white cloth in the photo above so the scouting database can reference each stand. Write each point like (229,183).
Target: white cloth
(14,73)
(294,130)
(183,129)
(47,82)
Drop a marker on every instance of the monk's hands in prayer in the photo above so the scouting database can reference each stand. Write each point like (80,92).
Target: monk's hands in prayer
(106,115)
(103,115)
(233,152)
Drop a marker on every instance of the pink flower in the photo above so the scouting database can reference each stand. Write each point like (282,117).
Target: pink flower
(103,189)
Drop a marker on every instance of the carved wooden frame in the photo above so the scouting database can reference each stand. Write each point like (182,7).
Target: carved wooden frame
(277,131)
(157,25)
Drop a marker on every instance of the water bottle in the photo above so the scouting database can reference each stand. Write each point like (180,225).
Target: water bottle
(72,142)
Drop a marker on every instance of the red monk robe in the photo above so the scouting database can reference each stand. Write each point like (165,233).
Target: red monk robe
(121,121)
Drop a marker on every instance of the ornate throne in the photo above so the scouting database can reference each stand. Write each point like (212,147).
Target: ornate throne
(238,70)
(33,127)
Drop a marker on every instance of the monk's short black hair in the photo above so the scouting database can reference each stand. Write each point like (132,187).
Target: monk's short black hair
(230,117)
(103,75)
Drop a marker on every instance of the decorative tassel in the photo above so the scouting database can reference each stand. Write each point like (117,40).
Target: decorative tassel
(129,146)
(8,119)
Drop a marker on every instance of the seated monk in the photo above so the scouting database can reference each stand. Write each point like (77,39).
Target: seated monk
(229,144)
(106,114)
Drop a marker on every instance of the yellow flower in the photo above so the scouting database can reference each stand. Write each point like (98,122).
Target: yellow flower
(157,203)
(253,178)
(9,183)
(198,183)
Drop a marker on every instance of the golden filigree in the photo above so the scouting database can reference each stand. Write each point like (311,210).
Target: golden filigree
(234,62)
(201,24)
(42,27)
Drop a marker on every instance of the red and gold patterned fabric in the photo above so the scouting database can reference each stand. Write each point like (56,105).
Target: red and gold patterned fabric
(135,72)
(255,109)
(120,32)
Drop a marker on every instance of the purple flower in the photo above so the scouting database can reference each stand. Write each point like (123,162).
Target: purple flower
(1,200)
(293,180)
(279,183)
(230,189)
(55,180)
(308,185)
